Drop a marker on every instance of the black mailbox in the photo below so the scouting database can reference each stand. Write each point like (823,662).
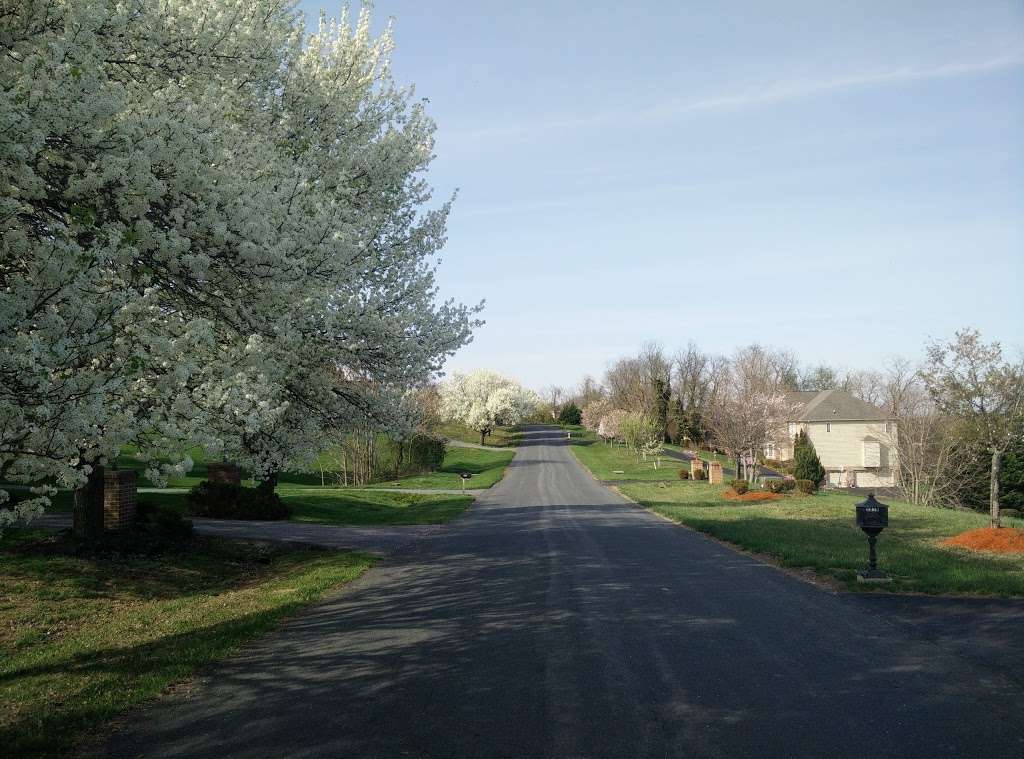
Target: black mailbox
(872,515)
(872,518)
(465,475)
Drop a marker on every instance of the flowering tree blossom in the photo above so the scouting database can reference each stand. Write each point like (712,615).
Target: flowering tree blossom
(594,412)
(215,232)
(483,400)
(610,426)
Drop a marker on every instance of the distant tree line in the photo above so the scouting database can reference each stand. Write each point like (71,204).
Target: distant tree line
(959,411)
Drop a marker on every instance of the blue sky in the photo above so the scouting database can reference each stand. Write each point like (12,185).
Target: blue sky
(844,179)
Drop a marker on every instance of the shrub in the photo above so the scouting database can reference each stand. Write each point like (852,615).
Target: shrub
(221,500)
(426,452)
(700,474)
(806,486)
(163,522)
(775,485)
(684,474)
(788,485)
(740,486)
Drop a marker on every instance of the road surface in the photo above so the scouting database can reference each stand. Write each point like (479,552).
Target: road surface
(556,620)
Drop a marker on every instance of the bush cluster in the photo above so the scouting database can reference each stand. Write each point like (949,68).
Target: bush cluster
(221,500)
(806,486)
(778,485)
(684,474)
(740,486)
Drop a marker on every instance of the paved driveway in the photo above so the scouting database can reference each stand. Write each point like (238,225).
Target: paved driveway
(555,620)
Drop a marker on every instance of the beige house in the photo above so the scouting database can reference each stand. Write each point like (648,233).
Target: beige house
(855,441)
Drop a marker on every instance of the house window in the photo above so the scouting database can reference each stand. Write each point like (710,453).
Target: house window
(792,429)
(828,426)
(888,428)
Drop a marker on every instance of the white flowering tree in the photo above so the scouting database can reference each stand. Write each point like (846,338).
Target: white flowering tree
(594,412)
(610,426)
(483,400)
(215,232)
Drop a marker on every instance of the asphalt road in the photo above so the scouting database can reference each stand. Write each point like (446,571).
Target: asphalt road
(555,620)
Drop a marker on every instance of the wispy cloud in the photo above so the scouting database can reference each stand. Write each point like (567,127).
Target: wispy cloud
(750,96)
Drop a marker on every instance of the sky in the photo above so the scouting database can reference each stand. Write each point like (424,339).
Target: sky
(841,179)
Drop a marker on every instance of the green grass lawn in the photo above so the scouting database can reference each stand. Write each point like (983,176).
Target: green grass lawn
(614,462)
(369,507)
(83,639)
(502,437)
(818,533)
(487,467)
(338,506)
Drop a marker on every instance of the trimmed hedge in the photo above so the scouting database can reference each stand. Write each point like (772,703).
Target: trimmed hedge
(740,486)
(684,474)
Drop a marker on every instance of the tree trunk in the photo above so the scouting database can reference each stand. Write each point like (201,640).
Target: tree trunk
(483,435)
(269,483)
(993,492)
(87,517)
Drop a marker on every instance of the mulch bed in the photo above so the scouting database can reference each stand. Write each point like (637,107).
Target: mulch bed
(1001,540)
(751,495)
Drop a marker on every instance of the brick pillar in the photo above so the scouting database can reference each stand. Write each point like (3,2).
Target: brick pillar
(226,473)
(715,473)
(696,465)
(119,499)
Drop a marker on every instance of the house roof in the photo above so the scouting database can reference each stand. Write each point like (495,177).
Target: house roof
(832,406)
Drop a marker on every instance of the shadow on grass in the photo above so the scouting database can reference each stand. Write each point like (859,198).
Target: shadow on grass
(101,663)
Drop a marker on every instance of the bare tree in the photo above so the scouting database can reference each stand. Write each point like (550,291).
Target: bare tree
(933,470)
(969,380)
(553,395)
(821,377)
(868,385)
(588,391)
(904,393)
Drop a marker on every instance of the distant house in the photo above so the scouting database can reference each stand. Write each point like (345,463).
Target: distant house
(855,441)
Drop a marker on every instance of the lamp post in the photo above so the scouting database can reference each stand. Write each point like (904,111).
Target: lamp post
(872,518)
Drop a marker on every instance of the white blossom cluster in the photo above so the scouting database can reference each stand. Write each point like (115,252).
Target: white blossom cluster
(214,232)
(483,400)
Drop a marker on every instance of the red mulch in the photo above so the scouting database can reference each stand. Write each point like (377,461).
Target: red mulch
(750,495)
(1001,540)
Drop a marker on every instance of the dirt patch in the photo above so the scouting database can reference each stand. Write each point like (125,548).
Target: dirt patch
(1001,540)
(751,495)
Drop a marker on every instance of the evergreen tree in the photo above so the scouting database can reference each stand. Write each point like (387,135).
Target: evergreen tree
(806,464)
(570,414)
(661,392)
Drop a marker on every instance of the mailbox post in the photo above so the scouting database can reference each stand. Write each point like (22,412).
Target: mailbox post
(872,518)
(463,477)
